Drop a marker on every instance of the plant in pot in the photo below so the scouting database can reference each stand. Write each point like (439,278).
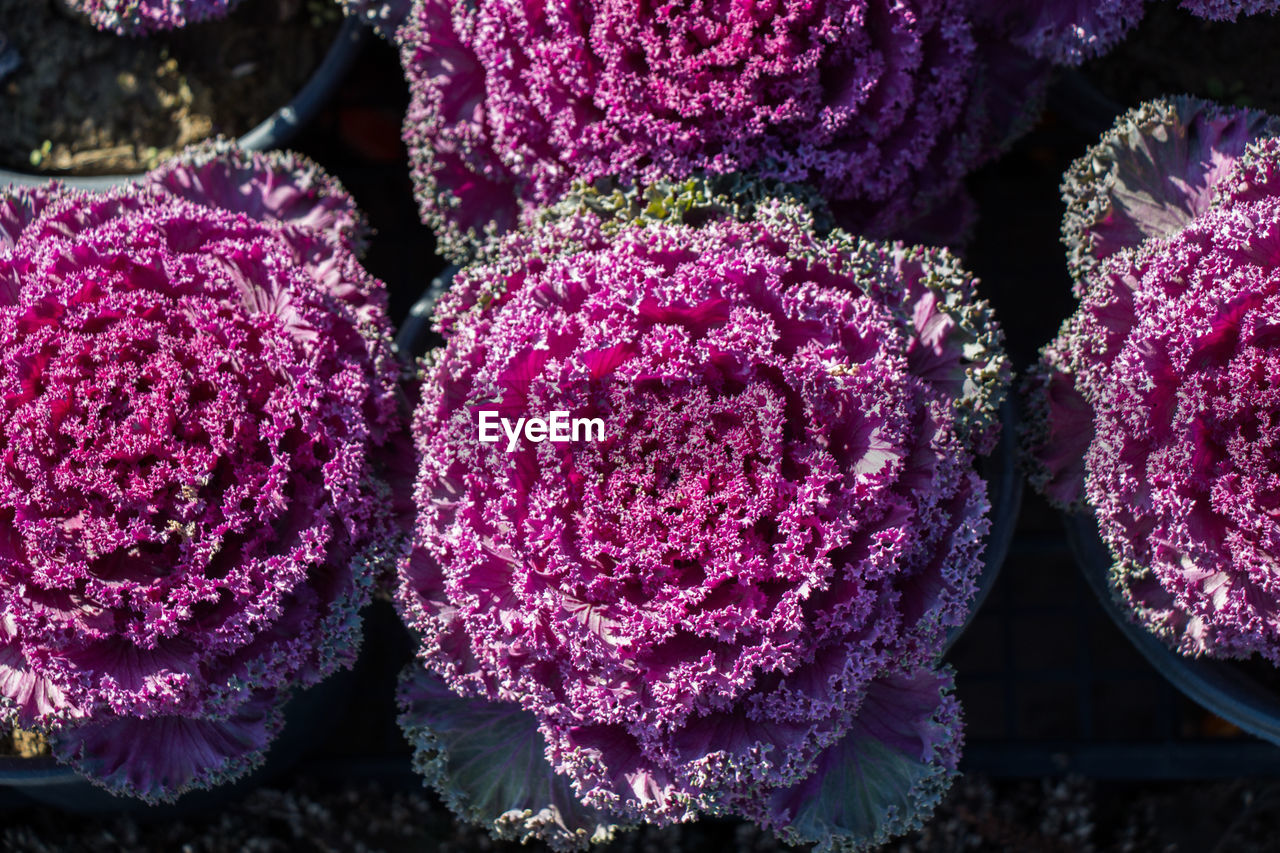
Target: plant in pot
(199,410)
(1155,410)
(733,597)
(882,107)
(83,103)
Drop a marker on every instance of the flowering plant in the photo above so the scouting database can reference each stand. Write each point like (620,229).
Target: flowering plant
(1156,406)
(883,107)
(196,389)
(733,600)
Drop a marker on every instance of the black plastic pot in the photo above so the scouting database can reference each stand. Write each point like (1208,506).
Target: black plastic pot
(415,335)
(274,132)
(1004,490)
(1219,686)
(309,716)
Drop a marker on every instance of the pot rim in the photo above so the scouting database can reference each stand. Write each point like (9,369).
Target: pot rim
(999,470)
(42,770)
(1217,685)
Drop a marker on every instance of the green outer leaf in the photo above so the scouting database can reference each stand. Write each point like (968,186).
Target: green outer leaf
(696,199)
(1151,174)
(884,778)
(487,761)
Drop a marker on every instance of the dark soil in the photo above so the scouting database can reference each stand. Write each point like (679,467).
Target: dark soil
(1172,52)
(88,102)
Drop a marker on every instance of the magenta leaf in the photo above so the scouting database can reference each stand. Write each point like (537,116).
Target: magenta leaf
(267,186)
(20,205)
(159,758)
(1065,31)
(883,107)
(1156,406)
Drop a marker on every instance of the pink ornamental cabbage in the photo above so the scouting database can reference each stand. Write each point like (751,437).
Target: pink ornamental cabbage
(1070,31)
(883,107)
(135,17)
(1154,173)
(734,601)
(1158,401)
(196,394)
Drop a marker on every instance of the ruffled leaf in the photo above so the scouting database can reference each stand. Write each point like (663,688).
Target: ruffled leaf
(268,186)
(24,693)
(486,759)
(1058,431)
(1229,10)
(161,758)
(959,343)
(1069,32)
(1152,173)
(1257,175)
(20,205)
(882,779)
(1065,31)
(1159,397)
(882,106)
(197,390)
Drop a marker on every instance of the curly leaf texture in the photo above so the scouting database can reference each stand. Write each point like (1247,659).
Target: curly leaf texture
(197,392)
(883,107)
(726,592)
(1157,405)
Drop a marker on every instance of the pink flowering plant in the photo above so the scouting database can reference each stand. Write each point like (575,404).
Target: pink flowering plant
(733,599)
(1156,406)
(883,107)
(197,396)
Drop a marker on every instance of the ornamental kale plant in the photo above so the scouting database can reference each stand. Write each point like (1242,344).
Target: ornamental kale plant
(1071,31)
(197,392)
(883,107)
(1157,405)
(135,17)
(734,601)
